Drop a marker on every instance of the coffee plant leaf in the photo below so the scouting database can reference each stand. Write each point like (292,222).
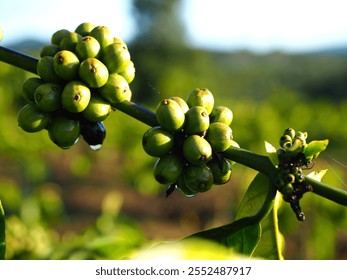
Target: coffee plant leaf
(272,153)
(271,244)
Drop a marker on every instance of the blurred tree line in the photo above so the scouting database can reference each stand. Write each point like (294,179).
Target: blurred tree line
(51,195)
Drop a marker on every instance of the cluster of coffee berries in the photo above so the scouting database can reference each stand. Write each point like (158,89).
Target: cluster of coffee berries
(189,142)
(82,75)
(290,179)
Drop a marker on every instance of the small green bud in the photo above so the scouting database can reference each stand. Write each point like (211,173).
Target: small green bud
(290,132)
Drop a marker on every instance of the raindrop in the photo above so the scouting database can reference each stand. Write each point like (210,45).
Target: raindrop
(95,147)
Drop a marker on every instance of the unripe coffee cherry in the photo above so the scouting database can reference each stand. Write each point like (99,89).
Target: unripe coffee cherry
(69,42)
(103,35)
(181,102)
(170,115)
(58,36)
(84,28)
(49,50)
(197,150)
(66,65)
(129,72)
(116,57)
(87,47)
(201,97)
(198,178)
(219,135)
(97,110)
(46,71)
(168,169)
(221,114)
(116,89)
(196,120)
(63,131)
(221,170)
(93,72)
(29,87)
(157,142)
(75,97)
(48,97)
(32,119)
(182,186)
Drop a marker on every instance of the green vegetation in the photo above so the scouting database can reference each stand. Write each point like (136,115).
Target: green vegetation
(82,204)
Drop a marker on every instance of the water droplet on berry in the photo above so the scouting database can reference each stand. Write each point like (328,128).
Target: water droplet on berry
(95,147)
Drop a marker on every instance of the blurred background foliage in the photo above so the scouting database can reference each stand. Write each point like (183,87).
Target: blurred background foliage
(81,204)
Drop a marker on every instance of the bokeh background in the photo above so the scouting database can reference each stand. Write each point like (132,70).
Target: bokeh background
(275,66)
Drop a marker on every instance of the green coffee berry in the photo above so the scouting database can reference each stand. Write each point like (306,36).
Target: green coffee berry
(97,110)
(201,97)
(221,114)
(48,97)
(116,89)
(197,150)
(103,35)
(198,178)
(221,170)
(157,142)
(181,102)
(219,135)
(196,120)
(170,115)
(58,36)
(75,96)
(93,72)
(32,119)
(87,47)
(84,28)
(29,87)
(287,191)
(69,42)
(66,65)
(49,50)
(119,41)
(63,131)
(183,188)
(116,57)
(45,69)
(129,72)
(168,169)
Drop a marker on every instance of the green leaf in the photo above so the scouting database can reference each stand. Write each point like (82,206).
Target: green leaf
(254,197)
(272,153)
(314,148)
(271,245)
(317,175)
(2,233)
(242,235)
(246,239)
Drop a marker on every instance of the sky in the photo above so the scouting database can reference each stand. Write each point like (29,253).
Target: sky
(261,26)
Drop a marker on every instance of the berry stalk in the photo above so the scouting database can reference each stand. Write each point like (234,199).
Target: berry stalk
(258,162)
